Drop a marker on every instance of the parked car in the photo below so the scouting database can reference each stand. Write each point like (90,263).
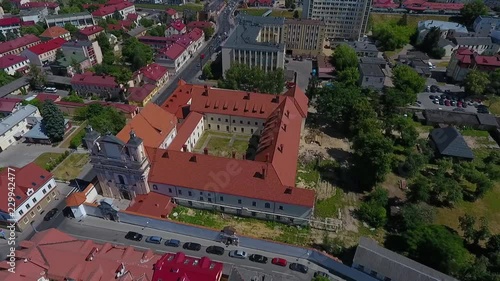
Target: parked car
(258,258)
(50,214)
(192,246)
(216,250)
(298,267)
(279,261)
(432,97)
(131,235)
(321,273)
(172,243)
(447,103)
(50,90)
(238,254)
(154,239)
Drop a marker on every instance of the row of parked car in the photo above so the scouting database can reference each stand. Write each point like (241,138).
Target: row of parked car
(218,250)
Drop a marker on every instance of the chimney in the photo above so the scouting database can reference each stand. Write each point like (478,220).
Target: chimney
(267,157)
(184,148)
(263,174)
(205,151)
(233,154)
(205,93)
(247,96)
(192,159)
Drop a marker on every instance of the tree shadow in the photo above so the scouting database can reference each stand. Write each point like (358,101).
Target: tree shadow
(338,154)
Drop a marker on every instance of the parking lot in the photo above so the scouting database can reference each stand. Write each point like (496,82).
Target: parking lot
(303,69)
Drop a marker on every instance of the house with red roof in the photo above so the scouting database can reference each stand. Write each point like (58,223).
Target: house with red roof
(35,189)
(180,267)
(157,154)
(153,73)
(175,27)
(172,15)
(197,37)
(9,105)
(90,33)
(199,24)
(16,46)
(52,7)
(173,56)
(55,32)
(44,52)
(10,25)
(141,95)
(89,84)
(124,8)
(12,64)
(157,42)
(260,3)
(464,60)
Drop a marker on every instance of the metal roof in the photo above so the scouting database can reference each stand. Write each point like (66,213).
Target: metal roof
(13,86)
(449,142)
(371,70)
(244,37)
(13,119)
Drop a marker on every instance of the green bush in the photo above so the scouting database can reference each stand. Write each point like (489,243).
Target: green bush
(77,140)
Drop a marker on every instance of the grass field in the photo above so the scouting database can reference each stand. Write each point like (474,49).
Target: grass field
(412,19)
(71,167)
(69,137)
(194,7)
(328,208)
(275,13)
(493,104)
(47,158)
(254,11)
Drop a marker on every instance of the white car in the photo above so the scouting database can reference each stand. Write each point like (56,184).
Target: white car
(238,254)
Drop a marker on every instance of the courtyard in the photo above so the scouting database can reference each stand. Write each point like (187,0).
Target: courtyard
(225,144)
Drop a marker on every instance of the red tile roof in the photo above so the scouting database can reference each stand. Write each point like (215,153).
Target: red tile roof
(199,24)
(10,21)
(10,60)
(54,32)
(152,124)
(87,31)
(108,10)
(43,97)
(18,43)
(153,71)
(114,2)
(94,80)
(178,99)
(138,94)
(173,51)
(179,267)
(185,131)
(48,46)
(29,5)
(28,180)
(125,108)
(152,204)
(467,56)
(8,104)
(195,34)
(132,16)
(184,40)
(76,199)
(171,11)
(178,25)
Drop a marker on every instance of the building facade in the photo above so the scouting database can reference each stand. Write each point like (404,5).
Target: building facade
(55,32)
(464,60)
(14,126)
(304,37)
(89,84)
(45,52)
(80,20)
(16,46)
(90,33)
(10,25)
(371,76)
(124,8)
(344,19)
(13,64)
(89,49)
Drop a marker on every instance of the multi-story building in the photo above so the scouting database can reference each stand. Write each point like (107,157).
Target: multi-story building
(176,27)
(55,32)
(52,7)
(157,42)
(44,52)
(483,25)
(34,189)
(80,20)
(154,74)
(9,105)
(256,42)
(171,15)
(10,25)
(477,44)
(89,49)
(124,8)
(173,57)
(15,125)
(33,15)
(71,65)
(88,84)
(304,37)
(365,49)
(371,76)
(464,60)
(155,154)
(90,33)
(445,28)
(16,46)
(142,95)
(199,24)
(12,64)
(344,19)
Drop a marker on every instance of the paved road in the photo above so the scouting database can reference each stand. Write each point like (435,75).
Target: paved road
(21,154)
(103,231)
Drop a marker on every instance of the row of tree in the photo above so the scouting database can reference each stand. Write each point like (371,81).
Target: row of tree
(478,83)
(245,78)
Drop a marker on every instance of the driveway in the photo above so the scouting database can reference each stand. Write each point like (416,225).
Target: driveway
(21,154)
(427,103)
(303,69)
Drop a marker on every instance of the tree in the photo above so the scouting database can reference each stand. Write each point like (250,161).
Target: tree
(209,32)
(320,278)
(5,78)
(476,82)
(430,44)
(73,98)
(157,30)
(52,121)
(10,35)
(2,37)
(373,211)
(31,29)
(59,54)
(412,165)
(38,78)
(417,215)
(117,15)
(472,235)
(70,10)
(407,80)
(391,35)
(349,76)
(7,6)
(207,71)
(146,22)
(494,85)
(335,103)
(472,10)
(137,53)
(102,119)
(296,14)
(245,78)
(404,128)
(344,57)
(71,28)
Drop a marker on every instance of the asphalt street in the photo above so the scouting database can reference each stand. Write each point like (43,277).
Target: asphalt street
(102,231)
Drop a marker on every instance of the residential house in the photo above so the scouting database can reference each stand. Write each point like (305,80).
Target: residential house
(304,36)
(34,189)
(374,60)
(38,134)
(16,87)
(199,24)
(171,15)
(444,27)
(52,7)
(69,65)
(10,25)
(88,84)
(197,37)
(484,25)
(90,33)
(464,60)
(365,49)
(16,46)
(371,76)
(80,20)
(124,8)
(178,266)
(33,15)
(175,27)
(89,49)
(137,32)
(14,126)
(13,64)
(384,264)
(478,121)
(448,45)
(43,97)
(173,57)
(9,105)
(157,42)
(154,74)
(448,142)
(55,32)
(142,95)
(260,3)
(44,53)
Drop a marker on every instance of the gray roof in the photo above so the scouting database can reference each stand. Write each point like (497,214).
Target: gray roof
(451,117)
(392,265)
(31,11)
(371,70)
(363,46)
(62,16)
(59,79)
(38,130)
(487,119)
(242,18)
(112,139)
(445,42)
(473,41)
(449,142)
(13,119)
(370,60)
(443,25)
(137,30)
(244,37)
(77,43)
(13,86)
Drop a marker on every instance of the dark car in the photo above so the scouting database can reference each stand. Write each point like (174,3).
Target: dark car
(133,236)
(172,243)
(192,246)
(154,239)
(216,250)
(50,214)
(258,258)
(432,97)
(299,267)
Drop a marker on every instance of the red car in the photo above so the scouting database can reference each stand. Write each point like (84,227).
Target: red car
(279,261)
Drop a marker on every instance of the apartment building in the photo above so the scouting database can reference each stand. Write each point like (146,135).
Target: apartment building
(15,125)
(16,46)
(365,49)
(89,84)
(371,76)
(52,7)
(13,64)
(10,25)
(344,19)
(80,20)
(199,24)
(464,60)
(89,49)
(484,25)
(124,8)
(35,189)
(90,33)
(256,42)
(157,42)
(304,37)
(44,53)
(33,15)
(55,32)
(153,73)
(176,27)
(173,56)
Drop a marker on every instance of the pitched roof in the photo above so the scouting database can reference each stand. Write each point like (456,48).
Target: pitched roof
(54,32)
(171,11)
(179,267)
(94,80)
(43,97)
(17,116)
(76,199)
(48,46)
(173,51)
(10,60)
(153,71)
(195,34)
(87,31)
(185,131)
(138,94)
(177,25)
(449,142)
(199,24)
(18,43)
(152,124)
(392,265)
(108,10)
(29,5)
(152,204)
(473,41)
(178,99)
(8,104)
(10,21)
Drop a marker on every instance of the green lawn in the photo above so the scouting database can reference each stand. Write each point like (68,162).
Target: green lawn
(240,146)
(254,11)
(328,208)
(283,13)
(475,133)
(47,158)
(69,137)
(412,19)
(190,6)
(493,104)
(198,217)
(71,167)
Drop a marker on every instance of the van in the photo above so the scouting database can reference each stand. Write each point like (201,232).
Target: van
(50,90)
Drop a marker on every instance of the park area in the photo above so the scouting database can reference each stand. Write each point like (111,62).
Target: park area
(223,144)
(275,13)
(64,166)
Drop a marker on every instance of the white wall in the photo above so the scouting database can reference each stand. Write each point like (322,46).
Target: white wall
(11,70)
(28,205)
(236,124)
(168,140)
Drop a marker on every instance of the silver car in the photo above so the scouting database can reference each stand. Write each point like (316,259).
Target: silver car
(238,254)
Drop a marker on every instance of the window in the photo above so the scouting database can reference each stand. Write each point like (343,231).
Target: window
(201,192)
(25,220)
(201,198)
(291,220)
(227,120)
(221,198)
(21,212)
(241,121)
(38,208)
(242,130)
(267,205)
(170,190)
(180,192)
(28,206)
(48,199)
(209,200)
(190,193)
(234,121)
(32,214)
(256,123)
(44,191)
(211,118)
(155,187)
(50,186)
(251,131)
(34,200)
(254,204)
(239,201)
(254,214)
(222,209)
(53,194)
(280,207)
